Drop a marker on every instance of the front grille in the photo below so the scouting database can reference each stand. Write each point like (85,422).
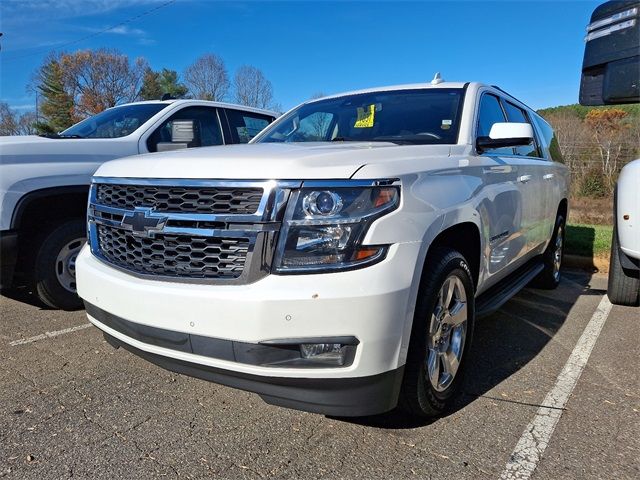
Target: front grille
(227,200)
(174,255)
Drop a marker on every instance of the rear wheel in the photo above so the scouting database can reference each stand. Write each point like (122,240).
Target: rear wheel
(441,336)
(624,286)
(55,265)
(549,277)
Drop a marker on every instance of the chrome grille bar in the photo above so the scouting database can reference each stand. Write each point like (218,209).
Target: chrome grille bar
(140,234)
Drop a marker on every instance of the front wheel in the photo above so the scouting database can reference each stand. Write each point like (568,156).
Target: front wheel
(623,288)
(441,336)
(55,265)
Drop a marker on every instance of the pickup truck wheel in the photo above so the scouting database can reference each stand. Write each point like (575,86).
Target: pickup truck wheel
(441,335)
(623,288)
(549,278)
(54,272)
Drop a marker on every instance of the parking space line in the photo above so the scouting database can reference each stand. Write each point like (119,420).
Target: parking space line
(536,437)
(49,335)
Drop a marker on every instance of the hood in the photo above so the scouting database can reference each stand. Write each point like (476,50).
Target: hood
(263,161)
(35,149)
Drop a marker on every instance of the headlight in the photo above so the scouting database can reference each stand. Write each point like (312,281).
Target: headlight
(324,228)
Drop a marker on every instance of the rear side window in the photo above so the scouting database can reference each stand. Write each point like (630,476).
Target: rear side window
(549,139)
(246,125)
(491,112)
(517,115)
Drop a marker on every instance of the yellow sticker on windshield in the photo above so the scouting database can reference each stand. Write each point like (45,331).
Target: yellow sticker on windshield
(366,117)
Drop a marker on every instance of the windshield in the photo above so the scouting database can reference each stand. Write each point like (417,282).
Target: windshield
(421,116)
(115,122)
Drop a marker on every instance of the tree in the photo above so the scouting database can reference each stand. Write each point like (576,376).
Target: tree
(151,88)
(56,102)
(75,85)
(12,123)
(8,120)
(27,124)
(99,79)
(609,131)
(576,145)
(156,84)
(207,78)
(252,88)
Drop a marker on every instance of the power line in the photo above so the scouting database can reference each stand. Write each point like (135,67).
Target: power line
(100,32)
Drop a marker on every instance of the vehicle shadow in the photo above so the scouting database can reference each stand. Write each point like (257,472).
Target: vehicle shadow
(581,240)
(22,294)
(504,343)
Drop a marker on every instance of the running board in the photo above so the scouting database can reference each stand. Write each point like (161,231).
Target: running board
(496,296)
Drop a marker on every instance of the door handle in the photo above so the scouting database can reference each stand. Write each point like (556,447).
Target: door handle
(498,169)
(548,176)
(524,178)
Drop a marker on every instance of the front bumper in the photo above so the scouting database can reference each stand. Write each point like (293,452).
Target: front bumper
(371,305)
(8,257)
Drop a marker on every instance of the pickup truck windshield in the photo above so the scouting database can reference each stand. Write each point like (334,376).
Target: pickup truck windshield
(420,116)
(115,122)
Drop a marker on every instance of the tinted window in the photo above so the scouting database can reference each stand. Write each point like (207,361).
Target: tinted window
(549,139)
(422,116)
(246,125)
(205,124)
(316,127)
(115,122)
(517,115)
(490,113)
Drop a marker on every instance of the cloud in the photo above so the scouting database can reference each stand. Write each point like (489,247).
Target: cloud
(124,30)
(60,9)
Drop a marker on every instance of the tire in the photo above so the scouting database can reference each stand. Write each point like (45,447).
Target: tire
(549,278)
(426,392)
(623,288)
(54,269)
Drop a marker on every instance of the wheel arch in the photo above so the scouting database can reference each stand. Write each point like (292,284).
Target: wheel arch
(50,204)
(463,236)
(563,209)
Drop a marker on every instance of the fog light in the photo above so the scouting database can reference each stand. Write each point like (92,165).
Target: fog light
(325,352)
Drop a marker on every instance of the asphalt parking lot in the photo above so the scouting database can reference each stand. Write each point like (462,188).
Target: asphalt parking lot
(72,406)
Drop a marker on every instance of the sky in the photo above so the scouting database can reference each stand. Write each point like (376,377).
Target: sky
(533,50)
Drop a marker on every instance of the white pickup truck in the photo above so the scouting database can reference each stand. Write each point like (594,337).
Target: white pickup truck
(624,266)
(337,263)
(44,181)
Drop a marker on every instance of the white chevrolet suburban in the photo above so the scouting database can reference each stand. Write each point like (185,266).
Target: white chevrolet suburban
(337,263)
(44,181)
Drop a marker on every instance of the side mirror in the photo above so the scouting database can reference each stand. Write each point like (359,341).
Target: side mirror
(506,135)
(183,134)
(182,131)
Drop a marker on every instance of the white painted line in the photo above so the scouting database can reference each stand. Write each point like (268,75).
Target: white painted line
(535,439)
(49,335)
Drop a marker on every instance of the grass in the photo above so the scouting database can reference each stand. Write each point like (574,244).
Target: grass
(588,240)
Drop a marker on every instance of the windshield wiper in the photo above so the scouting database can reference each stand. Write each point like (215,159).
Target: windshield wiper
(57,135)
(342,139)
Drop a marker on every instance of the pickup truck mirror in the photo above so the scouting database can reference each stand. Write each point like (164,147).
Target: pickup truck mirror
(611,64)
(183,134)
(506,135)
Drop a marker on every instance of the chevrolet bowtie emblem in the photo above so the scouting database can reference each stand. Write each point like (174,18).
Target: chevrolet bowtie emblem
(143,222)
